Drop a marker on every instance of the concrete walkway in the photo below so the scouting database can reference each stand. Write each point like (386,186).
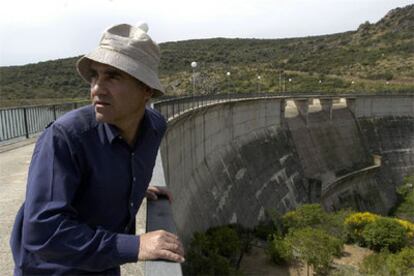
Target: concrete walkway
(14,164)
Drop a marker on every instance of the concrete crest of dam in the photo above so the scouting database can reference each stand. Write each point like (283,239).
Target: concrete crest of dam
(231,162)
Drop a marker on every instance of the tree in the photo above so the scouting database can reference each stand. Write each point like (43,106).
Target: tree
(306,215)
(278,250)
(314,247)
(215,252)
(385,233)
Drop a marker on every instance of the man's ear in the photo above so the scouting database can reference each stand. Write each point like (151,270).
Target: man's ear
(148,93)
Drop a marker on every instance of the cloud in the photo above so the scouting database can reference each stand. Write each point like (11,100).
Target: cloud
(49,29)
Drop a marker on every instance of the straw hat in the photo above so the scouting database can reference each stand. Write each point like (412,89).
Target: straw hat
(130,49)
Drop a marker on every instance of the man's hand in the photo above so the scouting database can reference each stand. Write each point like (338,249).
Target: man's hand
(160,244)
(154,191)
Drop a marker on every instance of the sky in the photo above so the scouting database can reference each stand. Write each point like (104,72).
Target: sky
(39,30)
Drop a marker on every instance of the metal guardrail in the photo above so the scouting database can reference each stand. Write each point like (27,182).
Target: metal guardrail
(174,106)
(25,121)
(29,120)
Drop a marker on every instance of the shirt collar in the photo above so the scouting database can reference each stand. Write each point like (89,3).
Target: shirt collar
(147,124)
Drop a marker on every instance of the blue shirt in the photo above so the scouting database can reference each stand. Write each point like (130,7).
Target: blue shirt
(84,188)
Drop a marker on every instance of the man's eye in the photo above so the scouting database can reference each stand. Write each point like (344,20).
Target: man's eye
(113,77)
(93,75)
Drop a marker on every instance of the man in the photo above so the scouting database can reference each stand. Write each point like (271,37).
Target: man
(91,168)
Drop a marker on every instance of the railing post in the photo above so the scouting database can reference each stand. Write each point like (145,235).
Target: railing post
(26,126)
(54,112)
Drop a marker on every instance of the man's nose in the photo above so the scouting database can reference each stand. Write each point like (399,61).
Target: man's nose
(97,87)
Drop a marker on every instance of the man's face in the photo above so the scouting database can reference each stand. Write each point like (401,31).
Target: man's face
(118,98)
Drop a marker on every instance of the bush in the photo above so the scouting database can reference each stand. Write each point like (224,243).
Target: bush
(405,208)
(355,225)
(265,230)
(315,247)
(306,215)
(385,233)
(385,263)
(408,226)
(375,264)
(225,241)
(402,263)
(335,224)
(215,252)
(278,250)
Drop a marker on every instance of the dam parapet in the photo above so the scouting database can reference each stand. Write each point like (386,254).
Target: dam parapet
(232,161)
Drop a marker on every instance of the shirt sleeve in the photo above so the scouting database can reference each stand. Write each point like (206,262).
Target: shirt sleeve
(52,229)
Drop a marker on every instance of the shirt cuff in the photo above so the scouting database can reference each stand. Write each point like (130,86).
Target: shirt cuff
(128,247)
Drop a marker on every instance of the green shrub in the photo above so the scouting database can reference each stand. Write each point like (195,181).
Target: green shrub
(387,264)
(405,192)
(278,250)
(402,263)
(315,247)
(225,240)
(306,215)
(355,224)
(265,230)
(215,252)
(375,264)
(335,224)
(385,233)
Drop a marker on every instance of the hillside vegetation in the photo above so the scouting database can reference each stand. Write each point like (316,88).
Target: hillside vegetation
(375,58)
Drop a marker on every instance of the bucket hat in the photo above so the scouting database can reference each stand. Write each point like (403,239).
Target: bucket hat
(129,49)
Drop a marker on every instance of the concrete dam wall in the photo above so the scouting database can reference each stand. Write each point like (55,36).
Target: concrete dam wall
(230,162)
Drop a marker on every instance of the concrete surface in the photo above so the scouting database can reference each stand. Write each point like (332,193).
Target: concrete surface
(13,174)
(231,162)
(14,163)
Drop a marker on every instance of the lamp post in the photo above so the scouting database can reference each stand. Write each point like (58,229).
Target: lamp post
(258,83)
(280,82)
(320,85)
(194,65)
(228,74)
(289,83)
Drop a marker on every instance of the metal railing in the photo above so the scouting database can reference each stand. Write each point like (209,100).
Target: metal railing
(172,107)
(175,106)
(29,120)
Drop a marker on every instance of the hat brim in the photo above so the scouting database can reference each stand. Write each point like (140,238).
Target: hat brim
(122,62)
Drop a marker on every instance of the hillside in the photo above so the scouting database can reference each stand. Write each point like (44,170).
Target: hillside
(374,58)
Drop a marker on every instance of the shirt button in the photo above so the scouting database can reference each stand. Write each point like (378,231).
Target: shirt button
(133,154)
(132,204)
(134,179)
